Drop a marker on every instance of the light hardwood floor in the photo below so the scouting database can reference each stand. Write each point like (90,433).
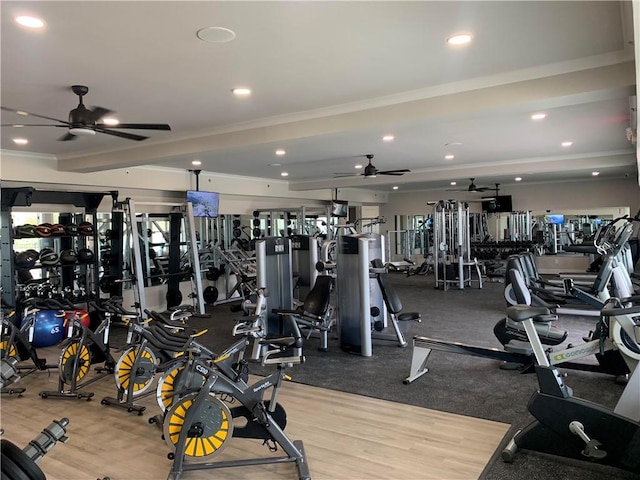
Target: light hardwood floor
(345,436)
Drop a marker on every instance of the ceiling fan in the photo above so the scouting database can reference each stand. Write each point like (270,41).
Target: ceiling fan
(84,121)
(370,171)
(473,188)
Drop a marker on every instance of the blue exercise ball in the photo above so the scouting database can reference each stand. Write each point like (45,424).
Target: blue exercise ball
(48,328)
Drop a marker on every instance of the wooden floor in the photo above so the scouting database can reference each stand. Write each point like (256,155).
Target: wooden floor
(345,437)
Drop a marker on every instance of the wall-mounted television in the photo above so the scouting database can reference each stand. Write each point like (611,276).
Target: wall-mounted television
(205,204)
(554,219)
(340,208)
(497,204)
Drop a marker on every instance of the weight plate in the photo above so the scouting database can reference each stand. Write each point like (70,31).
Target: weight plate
(236,222)
(210,295)
(256,222)
(257,232)
(10,470)
(21,460)
(68,359)
(145,369)
(212,426)
(236,232)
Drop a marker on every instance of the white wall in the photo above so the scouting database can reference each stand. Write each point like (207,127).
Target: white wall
(239,195)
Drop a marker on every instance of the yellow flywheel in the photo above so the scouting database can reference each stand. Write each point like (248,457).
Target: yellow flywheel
(209,429)
(174,380)
(68,360)
(8,351)
(139,373)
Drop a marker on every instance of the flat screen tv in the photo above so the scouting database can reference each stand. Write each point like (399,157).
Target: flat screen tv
(205,204)
(340,208)
(554,219)
(497,204)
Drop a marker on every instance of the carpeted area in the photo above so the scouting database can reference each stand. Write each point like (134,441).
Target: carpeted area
(455,383)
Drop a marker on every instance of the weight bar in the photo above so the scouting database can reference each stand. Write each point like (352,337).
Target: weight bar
(154,277)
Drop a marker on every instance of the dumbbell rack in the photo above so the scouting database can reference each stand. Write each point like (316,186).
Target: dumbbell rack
(25,197)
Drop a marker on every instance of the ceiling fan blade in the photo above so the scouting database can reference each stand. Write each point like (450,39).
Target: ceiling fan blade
(18,125)
(22,112)
(394,172)
(139,126)
(340,175)
(66,137)
(96,113)
(129,136)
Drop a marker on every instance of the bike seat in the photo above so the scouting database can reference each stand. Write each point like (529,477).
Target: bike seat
(520,313)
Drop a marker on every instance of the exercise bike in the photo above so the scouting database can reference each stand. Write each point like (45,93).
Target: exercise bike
(82,348)
(16,346)
(571,427)
(200,424)
(158,345)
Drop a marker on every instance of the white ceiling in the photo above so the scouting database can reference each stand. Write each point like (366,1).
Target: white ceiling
(328,79)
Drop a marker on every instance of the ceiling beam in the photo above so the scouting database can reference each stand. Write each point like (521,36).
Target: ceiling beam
(515,93)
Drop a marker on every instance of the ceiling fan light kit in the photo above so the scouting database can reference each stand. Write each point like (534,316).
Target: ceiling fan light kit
(81,131)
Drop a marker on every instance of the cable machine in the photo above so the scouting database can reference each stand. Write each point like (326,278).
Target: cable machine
(452,246)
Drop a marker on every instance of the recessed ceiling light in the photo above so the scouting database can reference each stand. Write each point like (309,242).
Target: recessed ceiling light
(284,174)
(216,34)
(459,39)
(280,152)
(454,183)
(388,138)
(20,112)
(395,187)
(357,166)
(567,144)
(110,121)
(595,174)
(518,179)
(275,164)
(20,141)
(242,91)
(29,22)
(538,116)
(449,157)
(196,162)
(17,126)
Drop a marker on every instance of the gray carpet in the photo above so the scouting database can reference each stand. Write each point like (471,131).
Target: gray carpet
(458,384)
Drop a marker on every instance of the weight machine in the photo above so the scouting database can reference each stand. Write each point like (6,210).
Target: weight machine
(519,226)
(362,313)
(304,257)
(452,246)
(241,264)
(181,214)
(290,221)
